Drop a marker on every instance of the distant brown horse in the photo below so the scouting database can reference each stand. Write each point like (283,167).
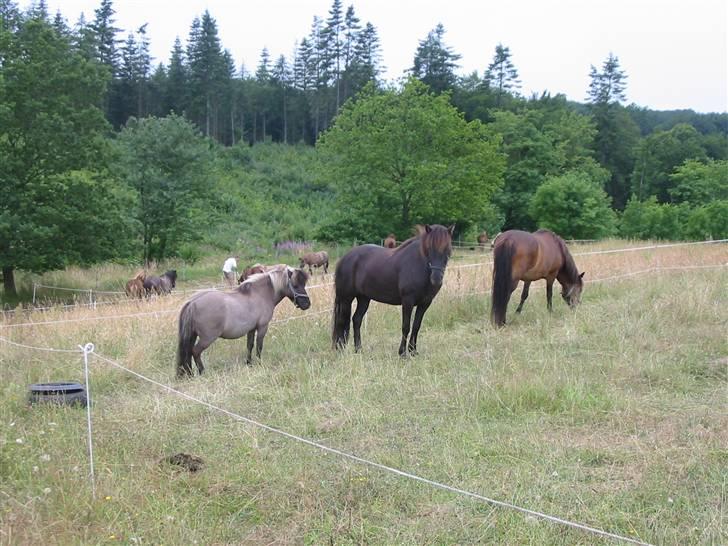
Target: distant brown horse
(519,255)
(246,310)
(483,239)
(135,287)
(315,259)
(390,241)
(252,270)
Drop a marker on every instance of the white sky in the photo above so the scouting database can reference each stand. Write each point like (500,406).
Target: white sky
(675,52)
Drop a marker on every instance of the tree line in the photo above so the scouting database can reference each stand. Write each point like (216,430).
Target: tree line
(106,157)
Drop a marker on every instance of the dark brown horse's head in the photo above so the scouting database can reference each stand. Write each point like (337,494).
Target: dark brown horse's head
(572,292)
(436,247)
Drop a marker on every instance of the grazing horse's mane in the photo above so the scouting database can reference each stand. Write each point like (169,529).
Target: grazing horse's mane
(569,266)
(140,276)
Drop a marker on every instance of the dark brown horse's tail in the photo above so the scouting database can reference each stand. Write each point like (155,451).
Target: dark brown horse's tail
(502,268)
(185,342)
(341,321)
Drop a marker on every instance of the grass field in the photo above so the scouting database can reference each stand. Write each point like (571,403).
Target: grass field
(614,416)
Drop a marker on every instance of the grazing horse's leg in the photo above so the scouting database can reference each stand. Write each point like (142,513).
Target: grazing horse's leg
(362,304)
(251,340)
(524,295)
(262,330)
(202,344)
(406,316)
(549,293)
(326,267)
(419,313)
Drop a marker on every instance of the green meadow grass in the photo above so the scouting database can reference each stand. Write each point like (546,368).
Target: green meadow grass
(614,416)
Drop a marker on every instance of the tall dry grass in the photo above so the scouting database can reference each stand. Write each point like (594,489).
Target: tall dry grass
(613,416)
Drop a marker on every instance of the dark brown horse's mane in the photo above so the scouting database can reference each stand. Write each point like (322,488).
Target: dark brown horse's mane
(438,238)
(569,266)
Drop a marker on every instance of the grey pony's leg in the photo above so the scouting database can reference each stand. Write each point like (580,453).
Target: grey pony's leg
(262,330)
(549,293)
(251,340)
(362,304)
(202,344)
(524,295)
(406,318)
(419,314)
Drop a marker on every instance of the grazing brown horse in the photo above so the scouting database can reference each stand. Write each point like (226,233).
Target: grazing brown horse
(483,239)
(246,310)
(519,255)
(135,287)
(160,285)
(315,259)
(410,275)
(390,241)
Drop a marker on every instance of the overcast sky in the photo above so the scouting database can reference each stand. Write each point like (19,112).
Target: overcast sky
(675,52)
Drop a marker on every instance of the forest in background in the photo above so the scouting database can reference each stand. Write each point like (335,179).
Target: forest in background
(107,156)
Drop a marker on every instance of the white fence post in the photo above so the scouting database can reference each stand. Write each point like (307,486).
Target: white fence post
(88,349)
(34,286)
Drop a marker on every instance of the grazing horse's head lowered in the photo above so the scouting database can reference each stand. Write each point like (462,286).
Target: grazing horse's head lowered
(436,247)
(572,292)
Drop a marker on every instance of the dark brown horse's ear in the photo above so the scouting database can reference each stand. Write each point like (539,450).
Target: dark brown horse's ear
(581,275)
(451,229)
(428,229)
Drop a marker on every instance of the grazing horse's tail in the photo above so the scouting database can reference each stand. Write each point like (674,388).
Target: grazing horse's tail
(341,321)
(185,341)
(502,268)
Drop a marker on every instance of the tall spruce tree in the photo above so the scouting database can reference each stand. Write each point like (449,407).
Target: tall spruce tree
(501,75)
(617,133)
(434,62)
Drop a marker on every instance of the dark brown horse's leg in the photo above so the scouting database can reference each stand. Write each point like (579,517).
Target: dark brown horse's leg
(419,314)
(549,293)
(362,304)
(524,295)
(406,318)
(251,340)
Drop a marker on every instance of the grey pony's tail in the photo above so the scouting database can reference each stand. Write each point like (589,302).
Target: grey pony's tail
(185,342)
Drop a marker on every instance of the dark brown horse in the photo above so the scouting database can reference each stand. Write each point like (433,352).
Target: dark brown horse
(410,275)
(390,241)
(160,285)
(135,287)
(315,259)
(246,310)
(519,255)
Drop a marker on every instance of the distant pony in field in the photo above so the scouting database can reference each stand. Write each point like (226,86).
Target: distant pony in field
(315,259)
(162,284)
(519,255)
(246,310)
(135,287)
(252,270)
(410,275)
(483,239)
(390,241)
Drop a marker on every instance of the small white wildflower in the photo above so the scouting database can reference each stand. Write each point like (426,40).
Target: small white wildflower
(555,474)
(12,424)
(45,457)
(75,469)
(47,490)
(52,424)
(170,517)
(669,499)
(35,469)
(18,440)
(41,432)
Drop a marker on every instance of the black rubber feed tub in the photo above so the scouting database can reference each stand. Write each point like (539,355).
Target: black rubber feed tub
(62,393)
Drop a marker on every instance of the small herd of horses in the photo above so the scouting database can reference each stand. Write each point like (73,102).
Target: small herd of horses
(409,275)
(145,285)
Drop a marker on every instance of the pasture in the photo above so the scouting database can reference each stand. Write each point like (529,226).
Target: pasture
(614,415)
